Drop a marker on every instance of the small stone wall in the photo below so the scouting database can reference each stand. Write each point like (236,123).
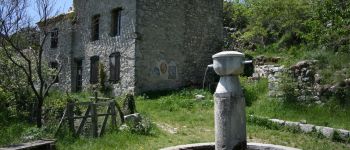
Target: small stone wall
(273,73)
(328,132)
(308,87)
(307,79)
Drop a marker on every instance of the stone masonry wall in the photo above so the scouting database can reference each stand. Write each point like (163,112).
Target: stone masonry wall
(62,53)
(176,40)
(84,48)
(164,44)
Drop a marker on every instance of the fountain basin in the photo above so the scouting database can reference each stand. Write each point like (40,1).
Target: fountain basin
(228,63)
(211,146)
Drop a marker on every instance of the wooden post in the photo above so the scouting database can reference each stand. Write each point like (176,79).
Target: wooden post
(120,112)
(96,97)
(113,113)
(105,120)
(84,120)
(70,114)
(61,121)
(94,120)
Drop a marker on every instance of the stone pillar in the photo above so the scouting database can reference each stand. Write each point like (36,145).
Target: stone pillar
(230,121)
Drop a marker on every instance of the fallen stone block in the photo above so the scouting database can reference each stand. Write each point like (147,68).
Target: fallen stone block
(292,124)
(344,134)
(306,128)
(200,97)
(325,131)
(277,121)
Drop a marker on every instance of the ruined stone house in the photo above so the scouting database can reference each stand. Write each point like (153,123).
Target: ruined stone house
(143,45)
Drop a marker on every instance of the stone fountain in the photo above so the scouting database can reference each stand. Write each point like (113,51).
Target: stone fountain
(230,121)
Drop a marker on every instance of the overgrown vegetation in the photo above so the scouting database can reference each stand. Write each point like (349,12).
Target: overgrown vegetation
(292,29)
(193,122)
(281,25)
(296,30)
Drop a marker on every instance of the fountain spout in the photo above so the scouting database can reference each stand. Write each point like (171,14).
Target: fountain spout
(205,74)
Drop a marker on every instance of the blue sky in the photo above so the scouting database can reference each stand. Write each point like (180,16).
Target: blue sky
(61,6)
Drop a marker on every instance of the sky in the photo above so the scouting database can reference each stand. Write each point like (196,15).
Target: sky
(61,6)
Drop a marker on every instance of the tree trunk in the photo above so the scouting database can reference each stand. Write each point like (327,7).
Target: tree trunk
(39,112)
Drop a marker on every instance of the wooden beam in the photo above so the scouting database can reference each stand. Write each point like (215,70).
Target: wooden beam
(82,123)
(94,120)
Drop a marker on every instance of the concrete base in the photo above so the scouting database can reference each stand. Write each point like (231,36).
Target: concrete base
(211,146)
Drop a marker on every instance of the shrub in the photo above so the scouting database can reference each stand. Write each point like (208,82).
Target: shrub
(143,126)
(129,106)
(253,90)
(289,88)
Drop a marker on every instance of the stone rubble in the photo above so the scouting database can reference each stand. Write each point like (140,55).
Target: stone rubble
(200,97)
(273,74)
(308,80)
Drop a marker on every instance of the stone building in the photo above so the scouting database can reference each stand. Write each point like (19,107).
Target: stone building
(143,45)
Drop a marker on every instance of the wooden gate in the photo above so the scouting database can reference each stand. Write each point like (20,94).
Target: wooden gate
(92,112)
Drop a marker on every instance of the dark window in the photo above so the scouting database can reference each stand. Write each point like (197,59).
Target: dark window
(95,27)
(94,69)
(79,75)
(54,38)
(54,65)
(114,67)
(116,22)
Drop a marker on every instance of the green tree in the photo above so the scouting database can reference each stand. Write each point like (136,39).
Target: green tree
(23,53)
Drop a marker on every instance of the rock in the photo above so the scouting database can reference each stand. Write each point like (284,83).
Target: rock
(277,121)
(168,128)
(344,134)
(303,121)
(325,131)
(333,89)
(124,127)
(200,97)
(347,82)
(28,138)
(135,118)
(318,102)
(306,128)
(292,124)
(317,78)
(262,60)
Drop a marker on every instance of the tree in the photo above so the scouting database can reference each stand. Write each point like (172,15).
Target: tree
(26,54)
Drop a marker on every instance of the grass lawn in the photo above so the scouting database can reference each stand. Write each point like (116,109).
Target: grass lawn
(194,122)
(329,114)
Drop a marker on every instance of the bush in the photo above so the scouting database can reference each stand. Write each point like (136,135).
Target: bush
(289,88)
(129,106)
(253,90)
(143,126)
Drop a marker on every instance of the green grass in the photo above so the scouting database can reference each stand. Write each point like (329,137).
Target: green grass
(326,115)
(332,66)
(11,133)
(330,114)
(194,121)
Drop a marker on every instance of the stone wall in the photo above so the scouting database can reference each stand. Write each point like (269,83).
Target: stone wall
(304,78)
(176,41)
(84,48)
(273,73)
(164,44)
(62,53)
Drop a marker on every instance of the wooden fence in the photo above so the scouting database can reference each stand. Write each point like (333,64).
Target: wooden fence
(91,112)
